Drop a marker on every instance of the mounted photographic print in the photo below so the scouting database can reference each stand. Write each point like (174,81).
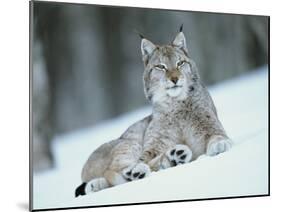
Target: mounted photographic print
(138,105)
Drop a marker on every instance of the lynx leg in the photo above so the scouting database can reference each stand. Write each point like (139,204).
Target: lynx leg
(114,178)
(155,163)
(217,145)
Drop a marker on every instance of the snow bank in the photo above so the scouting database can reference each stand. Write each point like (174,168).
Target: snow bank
(242,106)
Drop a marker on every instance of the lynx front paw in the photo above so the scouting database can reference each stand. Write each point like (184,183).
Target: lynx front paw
(179,154)
(136,172)
(218,146)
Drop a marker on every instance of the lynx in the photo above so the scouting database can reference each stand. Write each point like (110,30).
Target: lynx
(183,125)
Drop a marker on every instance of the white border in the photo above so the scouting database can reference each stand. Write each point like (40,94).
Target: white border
(14,86)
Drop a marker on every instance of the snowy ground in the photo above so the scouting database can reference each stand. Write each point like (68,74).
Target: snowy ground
(242,105)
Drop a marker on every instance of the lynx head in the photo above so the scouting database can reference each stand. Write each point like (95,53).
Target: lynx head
(169,72)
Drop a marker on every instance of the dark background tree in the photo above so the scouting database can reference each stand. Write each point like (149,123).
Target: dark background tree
(87,63)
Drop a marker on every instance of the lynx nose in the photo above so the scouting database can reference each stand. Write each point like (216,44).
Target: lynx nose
(174,80)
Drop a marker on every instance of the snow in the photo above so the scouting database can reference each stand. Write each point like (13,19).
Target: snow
(242,105)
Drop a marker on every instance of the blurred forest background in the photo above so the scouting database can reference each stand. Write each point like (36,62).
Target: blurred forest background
(87,67)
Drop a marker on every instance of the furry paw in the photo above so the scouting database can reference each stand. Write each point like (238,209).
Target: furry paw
(218,146)
(136,172)
(179,154)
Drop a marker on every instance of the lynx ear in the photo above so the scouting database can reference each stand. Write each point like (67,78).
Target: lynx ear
(180,42)
(147,47)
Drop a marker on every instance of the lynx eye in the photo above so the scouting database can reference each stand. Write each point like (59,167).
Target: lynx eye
(180,63)
(161,67)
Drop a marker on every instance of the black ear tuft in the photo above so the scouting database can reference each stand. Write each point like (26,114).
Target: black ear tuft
(141,36)
(137,32)
(181,28)
(80,190)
